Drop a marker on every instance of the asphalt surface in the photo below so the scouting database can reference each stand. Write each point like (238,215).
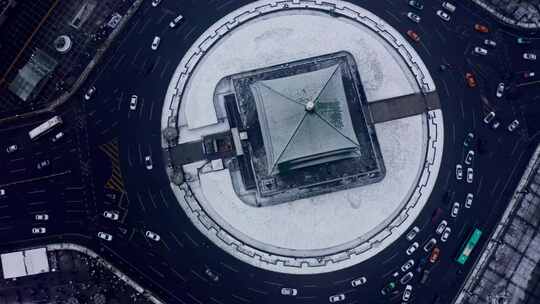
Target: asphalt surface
(174,267)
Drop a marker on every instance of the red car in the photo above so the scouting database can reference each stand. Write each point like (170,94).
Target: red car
(414,36)
(471,81)
(481,28)
(434,255)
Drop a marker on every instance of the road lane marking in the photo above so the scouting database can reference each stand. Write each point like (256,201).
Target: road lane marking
(177,240)
(191,239)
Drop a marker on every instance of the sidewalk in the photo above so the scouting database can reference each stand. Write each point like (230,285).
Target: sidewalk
(507,271)
(520,14)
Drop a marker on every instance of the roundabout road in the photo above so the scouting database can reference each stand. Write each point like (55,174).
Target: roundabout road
(174,267)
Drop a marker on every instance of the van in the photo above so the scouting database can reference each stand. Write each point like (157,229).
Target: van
(448,6)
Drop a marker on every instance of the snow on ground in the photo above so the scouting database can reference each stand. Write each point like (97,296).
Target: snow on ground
(259,43)
(335,219)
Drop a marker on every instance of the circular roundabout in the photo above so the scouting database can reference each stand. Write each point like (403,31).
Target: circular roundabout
(300,155)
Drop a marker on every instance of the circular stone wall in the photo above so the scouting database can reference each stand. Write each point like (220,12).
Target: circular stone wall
(330,231)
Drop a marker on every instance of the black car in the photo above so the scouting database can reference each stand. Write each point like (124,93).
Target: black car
(416,4)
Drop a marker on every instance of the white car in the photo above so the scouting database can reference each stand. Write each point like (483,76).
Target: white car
(175,21)
(213,276)
(104,236)
(407,265)
(152,235)
(412,234)
(89,93)
(39,230)
(155,2)
(500,90)
(359,281)
(57,137)
(469,200)
(490,43)
(133,102)
(469,158)
(513,125)
(489,117)
(406,278)
(470,175)
(441,227)
(2,192)
(443,15)
(529,56)
(414,17)
(430,244)
(155,43)
(407,293)
(113,215)
(12,148)
(445,234)
(41,217)
(459,172)
(412,248)
(455,210)
(43,164)
(336,298)
(449,6)
(289,291)
(148,162)
(480,51)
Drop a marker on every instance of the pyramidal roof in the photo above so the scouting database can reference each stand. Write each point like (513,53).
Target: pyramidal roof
(304,117)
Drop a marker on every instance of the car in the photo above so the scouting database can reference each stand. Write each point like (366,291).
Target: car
(443,67)
(39,230)
(436,215)
(407,293)
(470,175)
(388,288)
(529,56)
(528,74)
(413,17)
(469,140)
(359,281)
(12,148)
(57,137)
(471,80)
(412,233)
(455,210)
(155,3)
(395,275)
(521,40)
(425,276)
(445,234)
(175,21)
(152,235)
(406,278)
(43,164)
(285,291)
(155,43)
(469,158)
(421,264)
(413,35)
(428,246)
(41,217)
(2,192)
(213,276)
(105,236)
(489,117)
(443,15)
(459,172)
(133,102)
(416,4)
(469,200)
(448,6)
(112,215)
(434,256)
(336,298)
(500,90)
(480,51)
(412,248)
(89,93)
(495,125)
(481,28)
(513,125)
(490,43)
(441,226)
(148,162)
(407,265)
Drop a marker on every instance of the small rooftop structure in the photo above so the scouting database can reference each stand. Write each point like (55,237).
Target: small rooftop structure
(30,79)
(24,263)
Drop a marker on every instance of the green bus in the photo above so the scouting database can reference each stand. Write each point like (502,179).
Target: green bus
(468,247)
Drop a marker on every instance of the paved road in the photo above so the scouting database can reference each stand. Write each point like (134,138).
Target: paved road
(175,265)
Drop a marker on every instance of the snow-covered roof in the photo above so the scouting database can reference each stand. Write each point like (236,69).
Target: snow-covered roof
(24,263)
(304,117)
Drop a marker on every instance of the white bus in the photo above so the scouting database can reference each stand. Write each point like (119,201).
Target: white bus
(45,127)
